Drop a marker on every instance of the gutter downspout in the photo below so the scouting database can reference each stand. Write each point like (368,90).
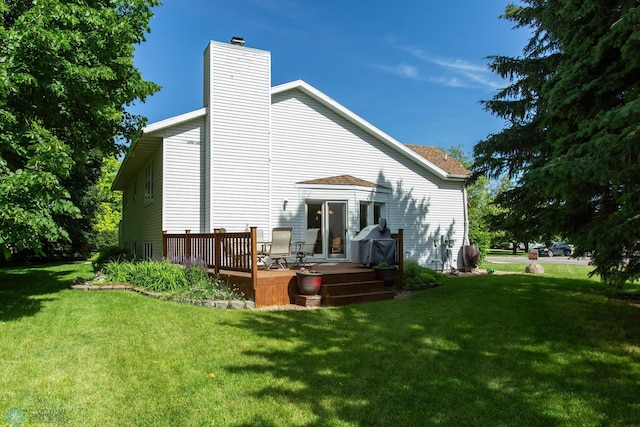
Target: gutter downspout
(465,239)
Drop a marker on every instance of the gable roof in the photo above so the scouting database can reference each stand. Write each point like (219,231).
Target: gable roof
(343,180)
(141,150)
(430,158)
(451,173)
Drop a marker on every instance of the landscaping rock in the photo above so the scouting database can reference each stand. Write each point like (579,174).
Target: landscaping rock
(237,304)
(87,285)
(222,304)
(534,268)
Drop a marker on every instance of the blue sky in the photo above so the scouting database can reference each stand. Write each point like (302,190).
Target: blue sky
(415,69)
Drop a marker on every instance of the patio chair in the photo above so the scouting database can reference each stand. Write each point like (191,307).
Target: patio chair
(336,245)
(261,248)
(280,247)
(308,247)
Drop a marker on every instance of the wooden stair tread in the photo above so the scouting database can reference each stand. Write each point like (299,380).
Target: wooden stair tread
(352,288)
(336,300)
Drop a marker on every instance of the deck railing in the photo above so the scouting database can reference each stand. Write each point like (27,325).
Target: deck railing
(399,256)
(235,251)
(219,250)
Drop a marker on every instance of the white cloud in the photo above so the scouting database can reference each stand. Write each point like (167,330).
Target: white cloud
(447,71)
(404,70)
(448,81)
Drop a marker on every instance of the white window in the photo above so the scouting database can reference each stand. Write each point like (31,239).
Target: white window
(378,212)
(148,183)
(364,214)
(134,250)
(148,250)
(135,191)
(369,212)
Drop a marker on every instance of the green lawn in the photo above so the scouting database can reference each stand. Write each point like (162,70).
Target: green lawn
(485,350)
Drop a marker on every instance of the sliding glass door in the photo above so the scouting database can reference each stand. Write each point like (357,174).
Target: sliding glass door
(331,218)
(337,229)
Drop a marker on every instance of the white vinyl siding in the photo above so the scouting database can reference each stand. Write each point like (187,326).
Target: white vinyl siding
(239,128)
(182,181)
(141,222)
(310,141)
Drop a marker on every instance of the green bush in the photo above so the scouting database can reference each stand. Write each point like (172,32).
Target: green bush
(103,239)
(481,239)
(156,276)
(177,282)
(415,274)
(108,254)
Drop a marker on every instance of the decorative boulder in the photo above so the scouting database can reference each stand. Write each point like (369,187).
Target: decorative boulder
(534,268)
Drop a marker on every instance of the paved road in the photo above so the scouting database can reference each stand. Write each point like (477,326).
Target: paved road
(499,259)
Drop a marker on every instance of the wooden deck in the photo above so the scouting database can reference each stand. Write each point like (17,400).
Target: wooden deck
(342,283)
(234,257)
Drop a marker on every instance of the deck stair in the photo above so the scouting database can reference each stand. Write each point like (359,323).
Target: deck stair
(360,288)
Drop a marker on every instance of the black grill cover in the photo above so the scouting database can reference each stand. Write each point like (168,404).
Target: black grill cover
(373,245)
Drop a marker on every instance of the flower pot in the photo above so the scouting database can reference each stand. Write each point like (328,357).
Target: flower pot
(387,275)
(309,283)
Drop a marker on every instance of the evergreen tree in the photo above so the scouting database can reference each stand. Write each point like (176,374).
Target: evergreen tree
(572,141)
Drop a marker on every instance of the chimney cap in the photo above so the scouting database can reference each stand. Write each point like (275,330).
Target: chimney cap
(239,41)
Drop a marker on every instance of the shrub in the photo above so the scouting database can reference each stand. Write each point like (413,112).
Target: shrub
(481,239)
(183,283)
(415,274)
(108,254)
(210,289)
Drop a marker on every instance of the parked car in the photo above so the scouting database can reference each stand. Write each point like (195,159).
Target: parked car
(557,248)
(533,246)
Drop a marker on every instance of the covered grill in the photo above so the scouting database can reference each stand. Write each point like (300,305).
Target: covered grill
(373,245)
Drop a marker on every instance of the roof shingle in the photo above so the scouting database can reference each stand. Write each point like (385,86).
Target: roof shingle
(343,180)
(440,159)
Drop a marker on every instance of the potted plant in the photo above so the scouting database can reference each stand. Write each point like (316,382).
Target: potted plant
(387,273)
(309,281)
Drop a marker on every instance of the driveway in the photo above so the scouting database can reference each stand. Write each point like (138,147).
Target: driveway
(505,259)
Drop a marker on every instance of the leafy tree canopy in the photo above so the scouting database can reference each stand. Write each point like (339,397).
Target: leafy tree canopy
(66,76)
(572,139)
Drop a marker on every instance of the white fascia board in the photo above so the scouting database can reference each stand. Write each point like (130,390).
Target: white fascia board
(362,123)
(167,123)
(149,129)
(176,120)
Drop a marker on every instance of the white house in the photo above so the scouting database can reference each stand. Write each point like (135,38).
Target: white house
(288,155)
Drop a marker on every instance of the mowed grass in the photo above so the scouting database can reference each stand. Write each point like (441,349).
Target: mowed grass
(487,350)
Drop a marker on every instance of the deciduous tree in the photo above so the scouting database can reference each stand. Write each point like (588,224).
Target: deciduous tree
(66,78)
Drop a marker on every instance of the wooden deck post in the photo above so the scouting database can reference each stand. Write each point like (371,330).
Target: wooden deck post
(187,243)
(254,259)
(164,243)
(217,250)
(400,249)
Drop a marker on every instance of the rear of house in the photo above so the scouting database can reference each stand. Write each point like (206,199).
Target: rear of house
(288,155)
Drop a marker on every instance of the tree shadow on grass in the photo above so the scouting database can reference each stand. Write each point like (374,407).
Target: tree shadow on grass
(23,290)
(531,354)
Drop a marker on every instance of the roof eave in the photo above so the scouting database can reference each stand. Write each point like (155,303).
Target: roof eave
(148,131)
